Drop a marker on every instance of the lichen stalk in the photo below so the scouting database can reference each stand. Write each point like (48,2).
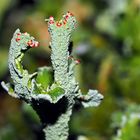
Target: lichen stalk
(19,45)
(60,32)
(60,39)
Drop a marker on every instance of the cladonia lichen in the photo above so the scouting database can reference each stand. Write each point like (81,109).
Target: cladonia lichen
(52,100)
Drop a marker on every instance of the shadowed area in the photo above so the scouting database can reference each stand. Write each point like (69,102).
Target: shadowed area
(48,112)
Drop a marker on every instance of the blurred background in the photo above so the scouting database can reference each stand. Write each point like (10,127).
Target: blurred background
(107,41)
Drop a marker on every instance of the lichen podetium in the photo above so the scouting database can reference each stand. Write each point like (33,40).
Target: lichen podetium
(54,99)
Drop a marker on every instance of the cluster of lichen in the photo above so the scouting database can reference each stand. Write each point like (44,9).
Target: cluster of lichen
(59,93)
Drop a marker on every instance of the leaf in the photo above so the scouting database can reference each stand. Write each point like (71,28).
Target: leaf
(56,92)
(45,77)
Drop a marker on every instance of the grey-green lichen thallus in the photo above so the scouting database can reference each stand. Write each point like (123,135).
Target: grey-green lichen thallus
(54,99)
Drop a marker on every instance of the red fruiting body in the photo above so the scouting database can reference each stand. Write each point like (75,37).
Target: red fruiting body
(70,14)
(33,43)
(66,17)
(77,61)
(17,39)
(18,34)
(51,18)
(29,42)
(36,44)
(64,21)
(51,22)
(58,24)
(25,33)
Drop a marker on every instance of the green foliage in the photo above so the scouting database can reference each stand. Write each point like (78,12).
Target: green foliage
(3,62)
(56,92)
(127,123)
(45,77)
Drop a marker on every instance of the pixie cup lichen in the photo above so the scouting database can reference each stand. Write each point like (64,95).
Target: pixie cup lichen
(54,99)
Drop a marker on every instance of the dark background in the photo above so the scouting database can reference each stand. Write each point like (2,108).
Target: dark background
(107,41)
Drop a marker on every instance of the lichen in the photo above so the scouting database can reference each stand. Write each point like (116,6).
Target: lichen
(54,99)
